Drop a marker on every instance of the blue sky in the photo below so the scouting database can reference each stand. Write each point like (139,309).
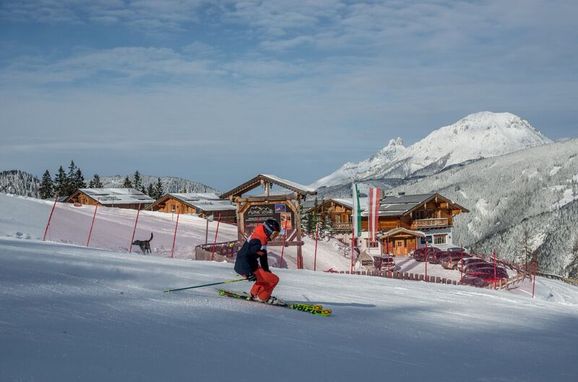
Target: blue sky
(218,91)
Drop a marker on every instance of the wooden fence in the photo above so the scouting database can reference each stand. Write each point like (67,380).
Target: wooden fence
(499,284)
(224,251)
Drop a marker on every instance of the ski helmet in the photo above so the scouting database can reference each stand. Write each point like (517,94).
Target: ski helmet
(271,225)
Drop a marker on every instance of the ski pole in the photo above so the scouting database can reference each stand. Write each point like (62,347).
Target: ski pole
(206,285)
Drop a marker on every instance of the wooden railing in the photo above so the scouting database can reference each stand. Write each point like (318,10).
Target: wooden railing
(218,251)
(427,223)
(342,226)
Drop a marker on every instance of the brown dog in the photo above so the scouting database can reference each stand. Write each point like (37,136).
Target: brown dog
(145,245)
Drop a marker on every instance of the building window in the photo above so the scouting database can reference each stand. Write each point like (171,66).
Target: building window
(440,239)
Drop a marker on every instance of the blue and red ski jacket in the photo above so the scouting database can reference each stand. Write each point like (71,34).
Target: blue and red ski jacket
(255,248)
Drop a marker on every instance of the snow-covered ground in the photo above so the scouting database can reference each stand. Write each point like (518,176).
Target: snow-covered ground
(113,229)
(72,313)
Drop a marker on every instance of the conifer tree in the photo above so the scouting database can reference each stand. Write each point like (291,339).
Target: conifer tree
(137,181)
(46,189)
(572,268)
(70,186)
(158,189)
(525,246)
(78,181)
(95,182)
(60,182)
(127,183)
(314,218)
(150,190)
(304,219)
(327,226)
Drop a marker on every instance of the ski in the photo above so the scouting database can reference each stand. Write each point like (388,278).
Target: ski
(315,309)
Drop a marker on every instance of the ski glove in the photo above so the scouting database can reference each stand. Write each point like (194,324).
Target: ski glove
(251,277)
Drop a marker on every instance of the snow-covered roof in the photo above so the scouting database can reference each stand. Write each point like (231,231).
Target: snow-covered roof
(392,205)
(195,196)
(117,196)
(282,181)
(399,230)
(271,179)
(345,202)
(206,201)
(400,204)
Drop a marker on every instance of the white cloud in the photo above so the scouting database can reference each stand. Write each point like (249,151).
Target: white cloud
(113,65)
(168,15)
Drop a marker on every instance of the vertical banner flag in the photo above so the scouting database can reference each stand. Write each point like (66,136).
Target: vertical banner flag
(373,208)
(356,216)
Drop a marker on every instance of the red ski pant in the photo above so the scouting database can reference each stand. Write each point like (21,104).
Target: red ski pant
(266,282)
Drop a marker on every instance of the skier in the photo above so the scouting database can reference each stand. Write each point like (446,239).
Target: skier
(246,262)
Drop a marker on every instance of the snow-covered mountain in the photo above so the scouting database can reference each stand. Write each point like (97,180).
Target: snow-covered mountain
(479,135)
(520,203)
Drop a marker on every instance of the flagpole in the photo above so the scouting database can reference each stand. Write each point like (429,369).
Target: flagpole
(356,220)
(352,241)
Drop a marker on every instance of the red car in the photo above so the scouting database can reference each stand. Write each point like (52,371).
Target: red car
(385,263)
(475,265)
(462,264)
(429,253)
(451,259)
(474,281)
(488,272)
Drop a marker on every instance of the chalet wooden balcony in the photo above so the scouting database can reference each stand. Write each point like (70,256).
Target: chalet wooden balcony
(430,223)
(345,227)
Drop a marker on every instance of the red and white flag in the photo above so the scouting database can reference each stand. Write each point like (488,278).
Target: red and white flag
(373,208)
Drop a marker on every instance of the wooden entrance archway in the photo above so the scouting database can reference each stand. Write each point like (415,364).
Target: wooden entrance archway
(284,207)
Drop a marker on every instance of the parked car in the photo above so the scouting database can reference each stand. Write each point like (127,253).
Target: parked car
(435,256)
(469,260)
(474,281)
(451,259)
(489,272)
(385,263)
(476,265)
(429,253)
(418,254)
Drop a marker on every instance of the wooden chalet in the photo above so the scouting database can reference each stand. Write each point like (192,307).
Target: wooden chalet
(280,199)
(129,198)
(204,205)
(338,211)
(406,222)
